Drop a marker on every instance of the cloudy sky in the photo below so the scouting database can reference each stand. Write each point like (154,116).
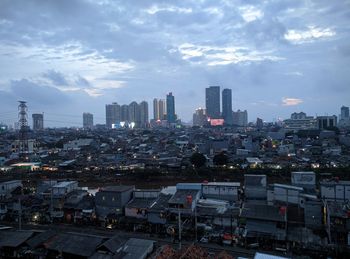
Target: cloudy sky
(65,57)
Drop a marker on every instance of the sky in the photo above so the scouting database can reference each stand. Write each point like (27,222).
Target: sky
(66,57)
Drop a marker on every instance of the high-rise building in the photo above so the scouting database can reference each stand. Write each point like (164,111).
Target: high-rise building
(227,106)
(170,108)
(199,117)
(212,101)
(88,120)
(155,109)
(124,112)
(300,121)
(324,122)
(259,123)
(158,109)
(344,113)
(38,121)
(134,113)
(240,118)
(144,114)
(113,114)
(162,109)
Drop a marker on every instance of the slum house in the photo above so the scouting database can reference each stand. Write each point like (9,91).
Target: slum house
(228,191)
(13,243)
(110,202)
(158,212)
(136,248)
(73,245)
(255,188)
(79,207)
(36,244)
(263,224)
(136,211)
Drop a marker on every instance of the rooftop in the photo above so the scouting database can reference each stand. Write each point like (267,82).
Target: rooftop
(118,188)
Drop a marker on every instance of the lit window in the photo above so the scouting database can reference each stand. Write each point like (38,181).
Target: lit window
(103,198)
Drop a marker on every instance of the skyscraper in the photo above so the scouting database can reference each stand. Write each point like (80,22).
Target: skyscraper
(344,113)
(124,112)
(134,113)
(38,121)
(158,109)
(162,109)
(227,106)
(113,114)
(170,108)
(88,120)
(144,114)
(212,102)
(155,109)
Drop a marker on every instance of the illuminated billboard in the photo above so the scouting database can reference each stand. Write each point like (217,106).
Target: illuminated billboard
(217,122)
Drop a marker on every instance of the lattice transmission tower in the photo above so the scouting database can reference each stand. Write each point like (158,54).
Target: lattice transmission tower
(23,129)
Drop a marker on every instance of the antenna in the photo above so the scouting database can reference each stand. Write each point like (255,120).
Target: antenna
(23,128)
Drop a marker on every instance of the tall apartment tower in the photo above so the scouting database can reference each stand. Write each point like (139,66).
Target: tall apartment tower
(170,108)
(144,114)
(88,120)
(162,109)
(227,106)
(212,101)
(124,112)
(134,113)
(155,109)
(113,114)
(344,113)
(38,121)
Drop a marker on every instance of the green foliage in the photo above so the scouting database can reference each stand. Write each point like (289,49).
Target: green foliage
(198,160)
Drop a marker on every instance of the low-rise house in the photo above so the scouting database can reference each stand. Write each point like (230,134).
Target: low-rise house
(7,187)
(260,223)
(73,245)
(335,190)
(110,202)
(12,243)
(228,191)
(255,187)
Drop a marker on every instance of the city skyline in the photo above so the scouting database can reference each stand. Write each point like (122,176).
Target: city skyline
(278,57)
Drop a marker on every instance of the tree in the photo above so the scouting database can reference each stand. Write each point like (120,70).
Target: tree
(198,159)
(220,159)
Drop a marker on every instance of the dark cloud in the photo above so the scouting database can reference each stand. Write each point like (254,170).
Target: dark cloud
(56,78)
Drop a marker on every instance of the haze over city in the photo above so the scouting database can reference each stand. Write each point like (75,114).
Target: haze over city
(69,57)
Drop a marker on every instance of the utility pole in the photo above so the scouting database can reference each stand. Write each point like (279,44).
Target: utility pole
(179,218)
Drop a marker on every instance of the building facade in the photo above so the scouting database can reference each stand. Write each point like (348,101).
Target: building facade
(227,106)
(240,118)
(113,114)
(144,114)
(170,108)
(38,121)
(88,120)
(212,101)
(200,117)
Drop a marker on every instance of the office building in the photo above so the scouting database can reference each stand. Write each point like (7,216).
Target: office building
(38,121)
(212,102)
(170,108)
(162,109)
(200,117)
(88,120)
(227,106)
(112,114)
(240,118)
(300,121)
(324,122)
(143,114)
